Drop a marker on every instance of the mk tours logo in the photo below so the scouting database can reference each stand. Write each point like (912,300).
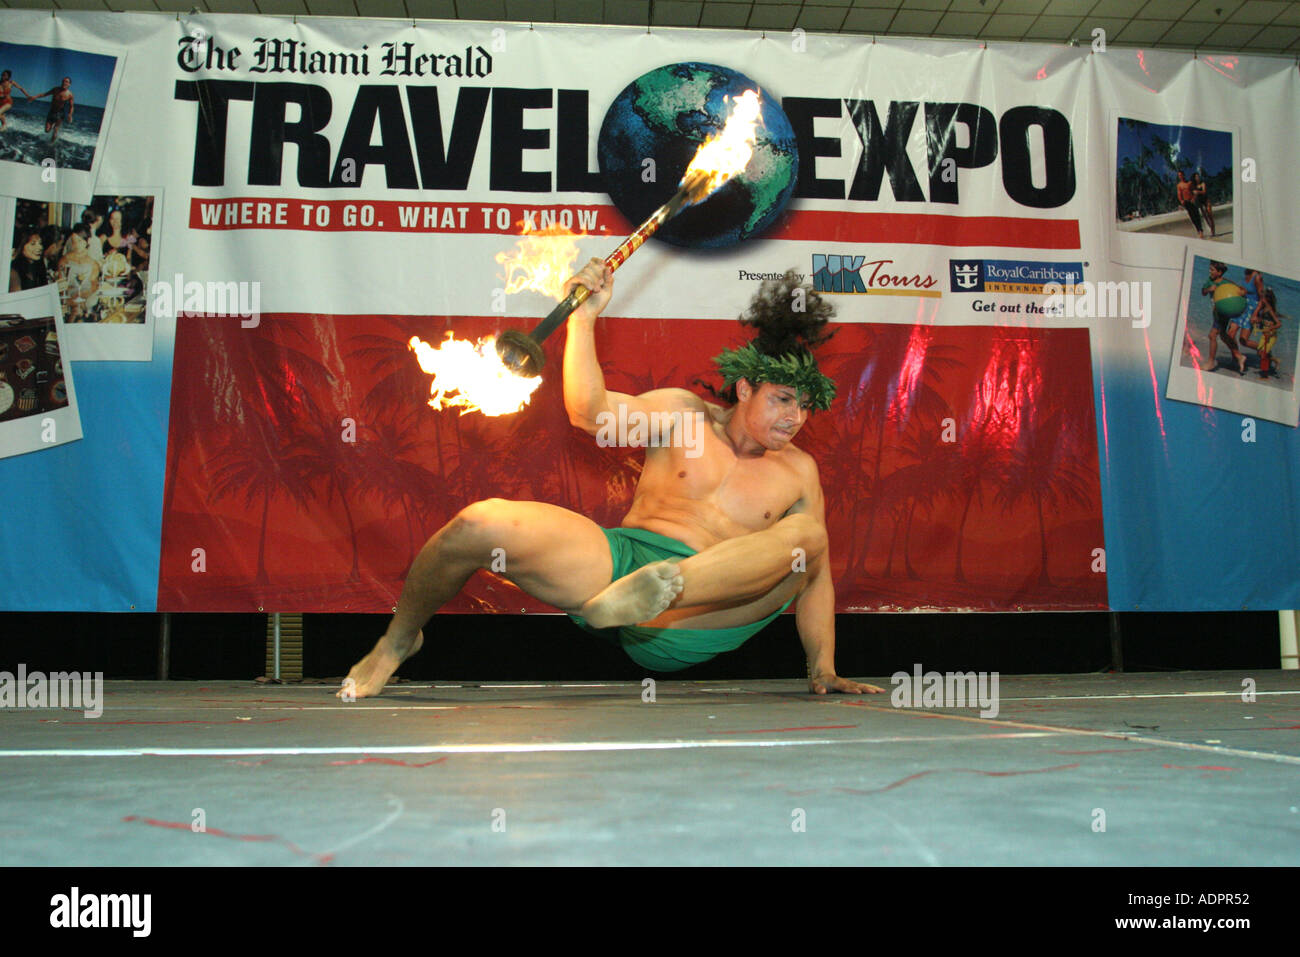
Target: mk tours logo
(876,277)
(1010,275)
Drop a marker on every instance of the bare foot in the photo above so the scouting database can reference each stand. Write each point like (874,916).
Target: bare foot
(369,675)
(1241,363)
(640,596)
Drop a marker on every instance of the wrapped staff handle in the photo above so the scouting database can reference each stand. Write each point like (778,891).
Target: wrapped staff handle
(522,351)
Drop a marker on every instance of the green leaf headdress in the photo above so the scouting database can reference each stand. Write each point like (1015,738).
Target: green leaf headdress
(796,369)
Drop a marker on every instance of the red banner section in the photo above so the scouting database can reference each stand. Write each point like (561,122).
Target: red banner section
(817,225)
(251,212)
(811,225)
(305,468)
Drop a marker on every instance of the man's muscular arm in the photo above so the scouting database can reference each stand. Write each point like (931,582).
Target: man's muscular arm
(585,395)
(815,612)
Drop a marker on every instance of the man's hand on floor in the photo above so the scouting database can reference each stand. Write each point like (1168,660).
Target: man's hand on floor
(826,684)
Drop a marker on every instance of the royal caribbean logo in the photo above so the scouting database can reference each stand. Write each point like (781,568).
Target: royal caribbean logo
(870,277)
(1010,275)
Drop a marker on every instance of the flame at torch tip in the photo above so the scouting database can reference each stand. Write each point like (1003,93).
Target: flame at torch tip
(543,260)
(728,153)
(471,376)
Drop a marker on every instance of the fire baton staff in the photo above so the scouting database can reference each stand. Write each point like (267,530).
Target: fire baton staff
(714,164)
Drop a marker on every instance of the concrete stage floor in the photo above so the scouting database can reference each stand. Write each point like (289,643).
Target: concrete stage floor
(709,773)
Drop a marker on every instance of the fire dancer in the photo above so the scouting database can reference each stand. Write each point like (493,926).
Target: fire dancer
(716,544)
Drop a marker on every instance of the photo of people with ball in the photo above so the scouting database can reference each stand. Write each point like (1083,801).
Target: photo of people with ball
(1237,339)
(1242,322)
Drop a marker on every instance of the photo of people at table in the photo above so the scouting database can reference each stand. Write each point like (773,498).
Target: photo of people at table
(97,254)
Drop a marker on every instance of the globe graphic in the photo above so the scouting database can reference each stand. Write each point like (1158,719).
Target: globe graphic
(664,116)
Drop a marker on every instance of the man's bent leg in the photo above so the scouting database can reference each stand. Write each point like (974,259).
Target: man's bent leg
(730,573)
(555,555)
(747,568)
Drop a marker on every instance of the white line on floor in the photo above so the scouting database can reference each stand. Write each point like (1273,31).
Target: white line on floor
(381,704)
(560,746)
(1111,735)
(1120,697)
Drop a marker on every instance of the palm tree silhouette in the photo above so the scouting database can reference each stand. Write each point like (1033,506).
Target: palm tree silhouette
(237,378)
(392,471)
(894,378)
(252,469)
(322,465)
(936,466)
(401,391)
(1044,467)
(480,451)
(826,437)
(978,456)
(257,393)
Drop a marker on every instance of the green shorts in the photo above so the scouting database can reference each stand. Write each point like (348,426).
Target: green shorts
(665,649)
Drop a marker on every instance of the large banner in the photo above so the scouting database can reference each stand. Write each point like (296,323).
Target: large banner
(1064,279)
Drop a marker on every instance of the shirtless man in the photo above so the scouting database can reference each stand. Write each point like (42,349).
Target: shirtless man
(61,105)
(724,531)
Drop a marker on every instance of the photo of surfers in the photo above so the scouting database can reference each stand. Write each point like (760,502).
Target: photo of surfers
(1174,181)
(98,255)
(31,367)
(52,104)
(1242,323)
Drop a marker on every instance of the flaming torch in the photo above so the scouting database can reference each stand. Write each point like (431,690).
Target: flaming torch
(500,380)
(717,161)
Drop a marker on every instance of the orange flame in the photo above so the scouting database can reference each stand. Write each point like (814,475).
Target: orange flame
(543,260)
(729,152)
(471,376)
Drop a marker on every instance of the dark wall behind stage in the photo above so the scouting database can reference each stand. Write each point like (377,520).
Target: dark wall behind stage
(550,648)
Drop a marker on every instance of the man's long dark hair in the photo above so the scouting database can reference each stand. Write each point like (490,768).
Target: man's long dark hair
(782,329)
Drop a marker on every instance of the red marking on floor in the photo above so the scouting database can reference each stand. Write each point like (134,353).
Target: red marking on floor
(1199,767)
(811,727)
(1285,727)
(992,774)
(1104,751)
(392,761)
(217,832)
